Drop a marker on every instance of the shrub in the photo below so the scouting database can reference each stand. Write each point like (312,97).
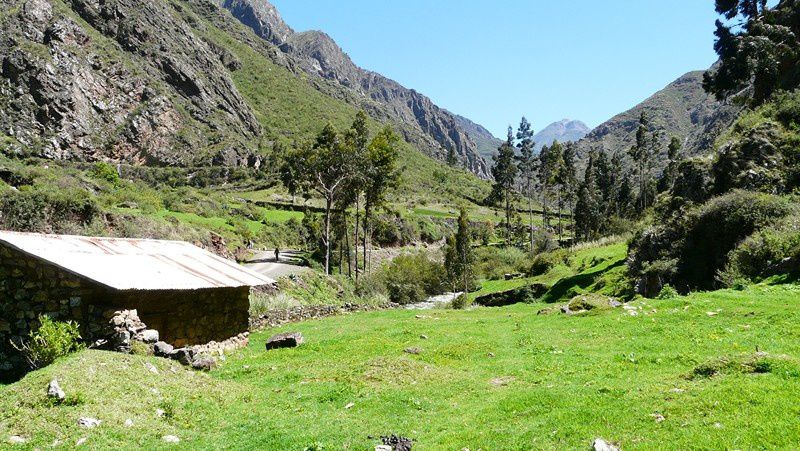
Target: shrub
(668,293)
(546,261)
(461,302)
(412,278)
(52,340)
(42,210)
(770,251)
(494,263)
(106,172)
(689,250)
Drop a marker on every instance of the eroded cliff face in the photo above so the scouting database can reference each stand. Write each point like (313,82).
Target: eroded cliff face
(432,129)
(122,81)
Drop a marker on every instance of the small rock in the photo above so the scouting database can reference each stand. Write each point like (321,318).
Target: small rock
(423,337)
(171,439)
(677,390)
(349,405)
(658,417)
(162,349)
(491,354)
(160,413)
(128,423)
(718,425)
(151,368)
(148,336)
(398,443)
(285,340)
(17,440)
(88,423)
(602,445)
(414,351)
(80,441)
(712,313)
(183,355)
(55,392)
(383,448)
(204,364)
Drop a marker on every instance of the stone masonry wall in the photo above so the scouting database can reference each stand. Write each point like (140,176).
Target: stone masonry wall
(30,287)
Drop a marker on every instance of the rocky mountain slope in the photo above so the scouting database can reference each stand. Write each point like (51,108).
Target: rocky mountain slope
(183,83)
(319,55)
(563,131)
(682,109)
(485,141)
(126,81)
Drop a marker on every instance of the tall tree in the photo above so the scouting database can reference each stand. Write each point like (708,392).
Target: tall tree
(568,178)
(356,140)
(551,158)
(382,175)
(324,167)
(459,258)
(758,48)
(528,165)
(588,213)
(671,171)
(504,172)
(642,154)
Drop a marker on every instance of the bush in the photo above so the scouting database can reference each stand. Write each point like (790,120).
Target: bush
(546,261)
(411,278)
(689,250)
(106,172)
(494,263)
(773,250)
(52,340)
(668,293)
(40,210)
(461,302)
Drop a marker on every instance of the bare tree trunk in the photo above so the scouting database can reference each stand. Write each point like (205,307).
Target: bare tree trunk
(327,238)
(366,233)
(355,231)
(347,244)
(530,218)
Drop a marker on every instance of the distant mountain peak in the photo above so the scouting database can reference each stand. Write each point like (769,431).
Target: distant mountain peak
(565,130)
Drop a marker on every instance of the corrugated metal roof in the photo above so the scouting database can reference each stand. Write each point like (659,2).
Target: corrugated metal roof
(127,264)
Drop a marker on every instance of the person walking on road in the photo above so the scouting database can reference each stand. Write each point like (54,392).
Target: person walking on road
(277,255)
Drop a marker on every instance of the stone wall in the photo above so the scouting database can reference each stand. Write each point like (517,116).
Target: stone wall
(30,287)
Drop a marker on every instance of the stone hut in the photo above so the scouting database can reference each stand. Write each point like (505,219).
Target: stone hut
(189,295)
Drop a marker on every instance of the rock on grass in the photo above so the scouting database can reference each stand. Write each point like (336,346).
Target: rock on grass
(285,340)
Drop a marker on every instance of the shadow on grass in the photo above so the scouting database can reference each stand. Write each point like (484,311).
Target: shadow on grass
(584,280)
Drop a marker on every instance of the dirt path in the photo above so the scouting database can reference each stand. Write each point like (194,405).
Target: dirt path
(263,262)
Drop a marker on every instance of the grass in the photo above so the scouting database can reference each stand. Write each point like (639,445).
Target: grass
(502,378)
(593,268)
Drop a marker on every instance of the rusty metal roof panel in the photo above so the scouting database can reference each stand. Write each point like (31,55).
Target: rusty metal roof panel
(131,264)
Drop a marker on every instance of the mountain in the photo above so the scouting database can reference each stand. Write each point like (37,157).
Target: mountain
(183,83)
(320,56)
(485,141)
(563,131)
(682,109)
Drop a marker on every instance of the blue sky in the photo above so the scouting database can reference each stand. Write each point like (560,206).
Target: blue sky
(493,61)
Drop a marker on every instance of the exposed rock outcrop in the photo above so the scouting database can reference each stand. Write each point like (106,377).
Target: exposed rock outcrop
(69,92)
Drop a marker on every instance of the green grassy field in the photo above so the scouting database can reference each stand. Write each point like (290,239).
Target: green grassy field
(682,373)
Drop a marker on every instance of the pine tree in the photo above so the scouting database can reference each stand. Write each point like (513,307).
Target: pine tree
(588,214)
(459,259)
(528,165)
(569,178)
(642,154)
(504,172)
(551,159)
(671,171)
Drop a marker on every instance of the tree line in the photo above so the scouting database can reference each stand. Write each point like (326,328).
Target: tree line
(614,186)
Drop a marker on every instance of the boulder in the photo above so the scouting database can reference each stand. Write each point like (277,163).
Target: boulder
(148,336)
(183,355)
(55,392)
(204,364)
(285,340)
(162,349)
(602,445)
